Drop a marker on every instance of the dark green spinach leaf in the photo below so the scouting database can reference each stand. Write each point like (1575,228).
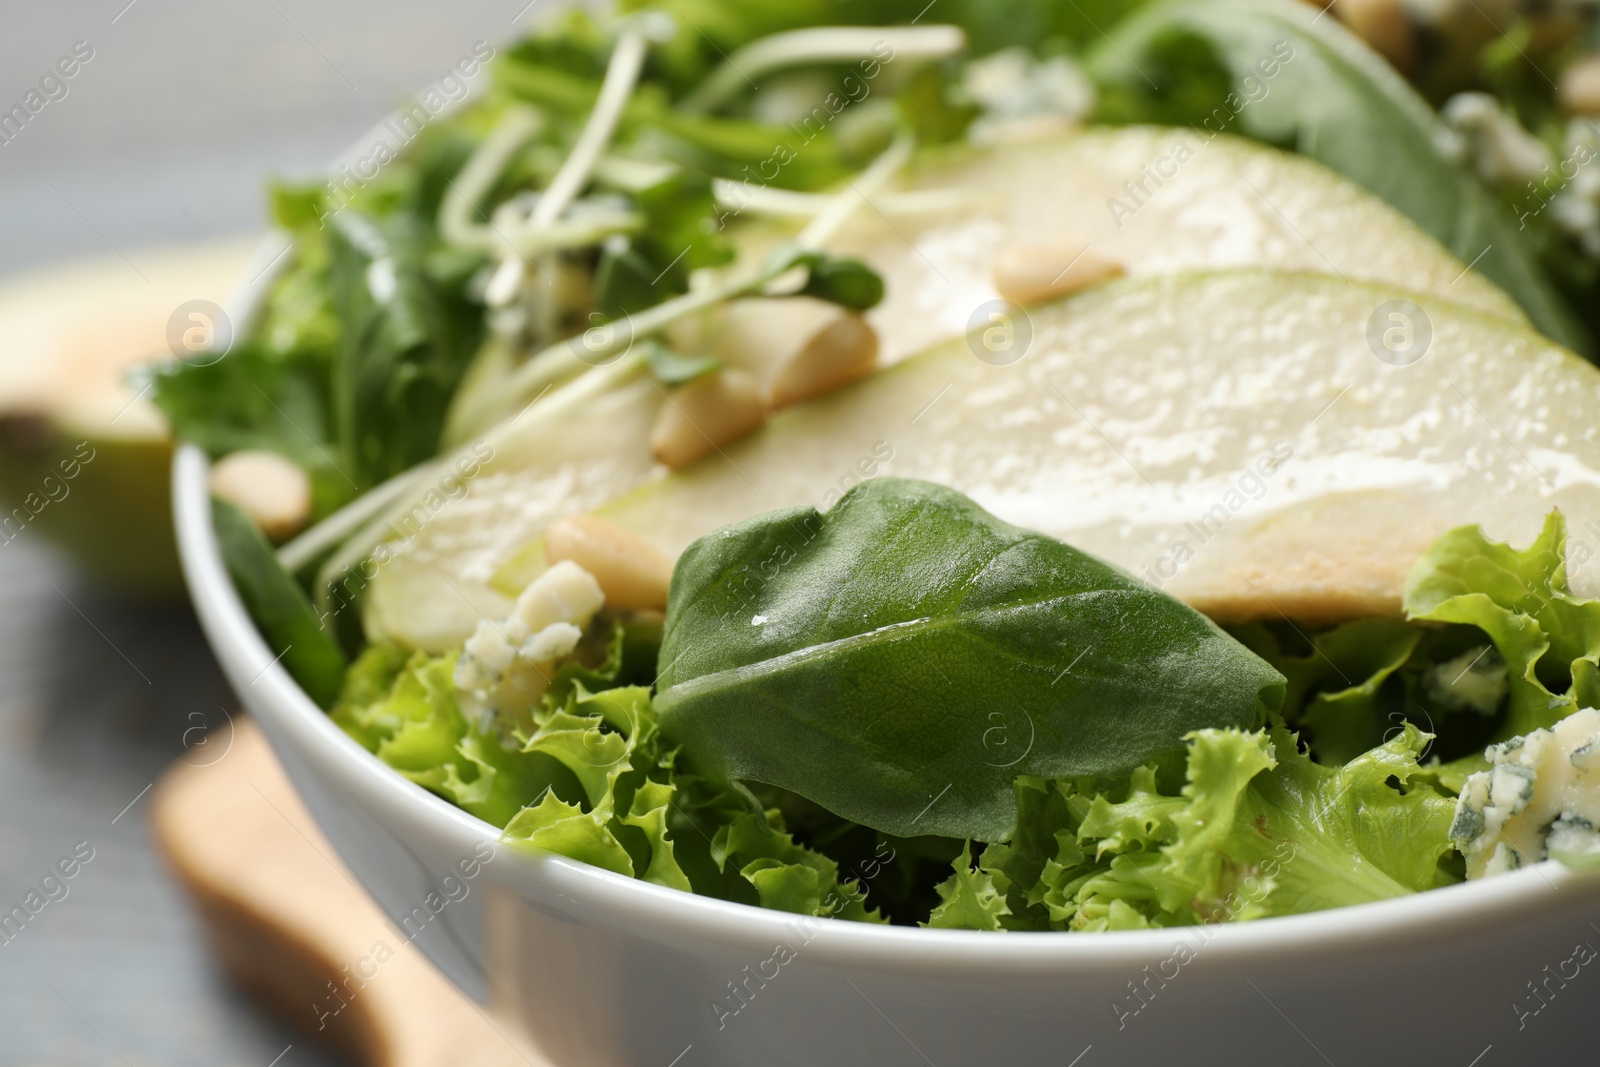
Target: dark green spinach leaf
(902,659)
(279,606)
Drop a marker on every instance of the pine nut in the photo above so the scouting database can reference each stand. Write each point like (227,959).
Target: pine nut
(564,593)
(633,575)
(1580,87)
(273,491)
(702,416)
(758,334)
(1383,25)
(1036,274)
(837,356)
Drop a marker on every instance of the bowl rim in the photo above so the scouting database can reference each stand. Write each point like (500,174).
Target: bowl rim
(672,916)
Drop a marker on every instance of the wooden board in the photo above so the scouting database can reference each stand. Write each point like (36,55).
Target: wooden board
(286,919)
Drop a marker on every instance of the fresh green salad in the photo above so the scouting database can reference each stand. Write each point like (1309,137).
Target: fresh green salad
(982,465)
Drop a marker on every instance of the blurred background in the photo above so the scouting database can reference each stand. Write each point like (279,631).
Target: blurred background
(167,134)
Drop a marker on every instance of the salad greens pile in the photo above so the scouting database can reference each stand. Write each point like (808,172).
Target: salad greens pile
(866,624)
(922,714)
(357,391)
(1192,817)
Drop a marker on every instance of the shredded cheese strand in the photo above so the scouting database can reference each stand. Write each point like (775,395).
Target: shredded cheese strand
(783,203)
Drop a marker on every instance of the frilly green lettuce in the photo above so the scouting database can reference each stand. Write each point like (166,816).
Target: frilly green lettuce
(404,710)
(1548,638)
(589,779)
(1255,829)
(1236,825)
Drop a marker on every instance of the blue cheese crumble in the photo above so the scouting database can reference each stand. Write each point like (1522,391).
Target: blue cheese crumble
(509,663)
(1539,799)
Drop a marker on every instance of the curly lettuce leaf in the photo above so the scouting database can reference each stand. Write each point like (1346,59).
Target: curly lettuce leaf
(1356,685)
(1256,829)
(1548,638)
(589,779)
(1234,826)
(404,710)
(1364,655)
(973,898)
(1310,837)
(646,816)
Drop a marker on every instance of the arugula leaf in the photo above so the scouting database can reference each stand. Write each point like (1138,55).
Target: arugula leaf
(298,315)
(846,282)
(256,398)
(672,368)
(405,343)
(625,280)
(861,659)
(680,235)
(710,28)
(1035,24)
(351,387)
(731,148)
(278,605)
(1332,99)
(680,230)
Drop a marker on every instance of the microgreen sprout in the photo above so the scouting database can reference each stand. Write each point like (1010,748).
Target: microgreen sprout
(784,203)
(826,44)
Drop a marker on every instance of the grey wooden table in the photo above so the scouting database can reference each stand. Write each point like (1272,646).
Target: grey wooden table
(166,133)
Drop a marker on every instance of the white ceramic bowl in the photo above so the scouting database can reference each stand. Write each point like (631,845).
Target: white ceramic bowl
(596,970)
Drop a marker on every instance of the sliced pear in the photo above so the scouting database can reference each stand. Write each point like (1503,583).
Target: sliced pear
(440,579)
(1228,203)
(1230,437)
(83,458)
(1154,200)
